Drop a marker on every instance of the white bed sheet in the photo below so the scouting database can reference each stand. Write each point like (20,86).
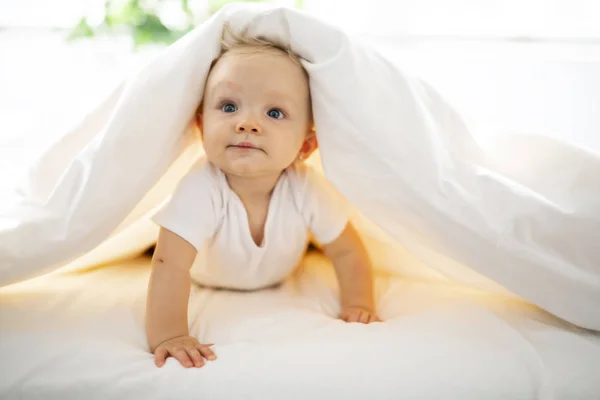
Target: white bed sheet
(79,335)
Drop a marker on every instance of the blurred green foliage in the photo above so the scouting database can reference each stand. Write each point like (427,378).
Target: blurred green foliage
(142,21)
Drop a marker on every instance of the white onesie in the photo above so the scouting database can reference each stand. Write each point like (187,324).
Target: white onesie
(208,214)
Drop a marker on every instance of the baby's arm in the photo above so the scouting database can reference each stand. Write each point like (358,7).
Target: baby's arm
(353,271)
(167,303)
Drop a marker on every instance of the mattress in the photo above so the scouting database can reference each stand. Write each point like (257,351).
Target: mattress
(79,334)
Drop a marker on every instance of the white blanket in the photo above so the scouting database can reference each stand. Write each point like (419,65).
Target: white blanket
(80,335)
(528,218)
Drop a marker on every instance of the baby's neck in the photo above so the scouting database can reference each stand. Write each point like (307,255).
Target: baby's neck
(252,189)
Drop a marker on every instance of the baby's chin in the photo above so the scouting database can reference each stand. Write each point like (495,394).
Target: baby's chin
(247,167)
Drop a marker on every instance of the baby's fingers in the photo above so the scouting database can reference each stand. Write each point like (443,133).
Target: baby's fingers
(182,356)
(350,316)
(207,352)
(344,316)
(197,359)
(363,317)
(374,318)
(160,356)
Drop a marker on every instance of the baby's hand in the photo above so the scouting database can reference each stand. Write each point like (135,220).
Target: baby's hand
(186,349)
(358,314)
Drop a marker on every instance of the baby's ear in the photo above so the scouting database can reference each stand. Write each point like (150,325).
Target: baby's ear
(310,144)
(198,121)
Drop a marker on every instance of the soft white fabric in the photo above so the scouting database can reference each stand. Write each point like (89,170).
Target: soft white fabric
(81,336)
(528,219)
(208,214)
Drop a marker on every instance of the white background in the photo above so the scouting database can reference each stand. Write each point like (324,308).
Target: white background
(527,66)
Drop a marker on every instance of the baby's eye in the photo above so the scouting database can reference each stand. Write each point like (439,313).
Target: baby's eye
(228,108)
(275,113)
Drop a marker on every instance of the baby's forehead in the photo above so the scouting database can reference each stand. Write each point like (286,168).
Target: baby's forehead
(269,57)
(246,66)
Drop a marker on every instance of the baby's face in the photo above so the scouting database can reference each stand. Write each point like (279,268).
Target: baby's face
(256,112)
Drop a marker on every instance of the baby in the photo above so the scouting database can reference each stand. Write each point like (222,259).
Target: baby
(241,217)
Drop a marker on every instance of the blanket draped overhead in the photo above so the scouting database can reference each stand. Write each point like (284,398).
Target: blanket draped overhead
(525,217)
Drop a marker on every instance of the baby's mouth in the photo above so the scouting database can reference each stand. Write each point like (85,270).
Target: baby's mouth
(246,146)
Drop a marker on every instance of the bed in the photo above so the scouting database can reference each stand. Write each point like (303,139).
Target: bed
(486,270)
(79,334)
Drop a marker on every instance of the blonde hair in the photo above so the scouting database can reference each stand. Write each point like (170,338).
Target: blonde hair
(231,41)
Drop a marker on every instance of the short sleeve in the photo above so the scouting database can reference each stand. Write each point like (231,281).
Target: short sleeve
(327,209)
(190,213)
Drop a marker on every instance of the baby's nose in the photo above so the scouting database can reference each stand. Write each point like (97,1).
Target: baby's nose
(248,126)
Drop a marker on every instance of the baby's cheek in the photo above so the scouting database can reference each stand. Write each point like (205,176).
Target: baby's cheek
(291,148)
(213,138)
(212,148)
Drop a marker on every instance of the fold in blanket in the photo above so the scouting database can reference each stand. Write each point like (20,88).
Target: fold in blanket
(529,218)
